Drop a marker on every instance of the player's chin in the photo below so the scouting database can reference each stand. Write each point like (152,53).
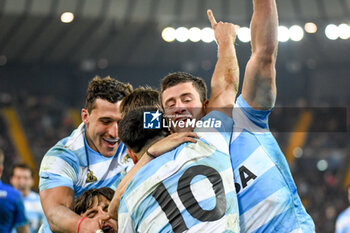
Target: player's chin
(109,151)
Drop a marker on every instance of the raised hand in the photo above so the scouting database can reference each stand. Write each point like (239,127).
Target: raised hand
(224,32)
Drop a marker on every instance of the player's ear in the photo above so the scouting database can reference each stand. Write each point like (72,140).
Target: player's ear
(132,156)
(85,116)
(205,104)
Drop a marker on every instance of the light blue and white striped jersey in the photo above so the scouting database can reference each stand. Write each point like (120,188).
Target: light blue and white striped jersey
(65,164)
(189,188)
(342,225)
(267,195)
(34,211)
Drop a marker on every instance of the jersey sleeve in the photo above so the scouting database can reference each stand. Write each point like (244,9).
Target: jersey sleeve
(59,167)
(19,216)
(245,116)
(219,130)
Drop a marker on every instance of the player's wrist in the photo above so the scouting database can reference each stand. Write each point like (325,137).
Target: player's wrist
(79,223)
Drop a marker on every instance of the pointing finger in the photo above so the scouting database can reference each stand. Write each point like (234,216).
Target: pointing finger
(211,18)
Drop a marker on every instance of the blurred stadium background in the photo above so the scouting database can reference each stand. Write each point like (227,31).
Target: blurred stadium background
(46,63)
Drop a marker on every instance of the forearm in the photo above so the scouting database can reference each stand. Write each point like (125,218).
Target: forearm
(264,28)
(226,70)
(63,219)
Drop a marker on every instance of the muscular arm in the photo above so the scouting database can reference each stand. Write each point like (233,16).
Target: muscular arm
(57,203)
(225,79)
(259,85)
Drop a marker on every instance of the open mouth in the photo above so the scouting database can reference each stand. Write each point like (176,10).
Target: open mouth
(184,119)
(111,142)
(108,229)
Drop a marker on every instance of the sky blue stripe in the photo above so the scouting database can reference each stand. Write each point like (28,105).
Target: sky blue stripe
(78,190)
(272,148)
(66,155)
(265,185)
(282,223)
(242,147)
(226,122)
(258,117)
(53,180)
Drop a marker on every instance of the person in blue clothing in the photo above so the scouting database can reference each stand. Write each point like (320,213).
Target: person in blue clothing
(12,214)
(342,224)
(22,179)
(91,157)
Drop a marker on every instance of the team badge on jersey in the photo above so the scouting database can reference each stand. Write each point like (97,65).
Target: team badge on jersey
(152,120)
(90,177)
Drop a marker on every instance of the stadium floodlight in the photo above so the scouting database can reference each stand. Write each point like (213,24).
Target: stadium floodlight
(344,31)
(322,165)
(207,35)
(181,34)
(296,33)
(310,27)
(168,34)
(244,34)
(332,32)
(195,34)
(283,34)
(67,17)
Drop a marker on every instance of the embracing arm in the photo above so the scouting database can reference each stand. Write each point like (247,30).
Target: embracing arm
(225,79)
(57,203)
(259,85)
(160,147)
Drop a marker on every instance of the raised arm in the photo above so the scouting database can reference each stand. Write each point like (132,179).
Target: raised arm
(225,79)
(259,85)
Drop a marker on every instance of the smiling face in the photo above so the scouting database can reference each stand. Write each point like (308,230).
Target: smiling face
(99,210)
(181,102)
(102,126)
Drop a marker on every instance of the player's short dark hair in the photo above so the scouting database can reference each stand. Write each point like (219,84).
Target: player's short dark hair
(140,97)
(23,166)
(132,133)
(106,88)
(85,201)
(173,79)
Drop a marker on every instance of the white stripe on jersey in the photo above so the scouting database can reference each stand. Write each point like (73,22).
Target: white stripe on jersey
(58,166)
(216,139)
(201,190)
(258,163)
(185,157)
(76,141)
(256,216)
(127,223)
(99,170)
(220,225)
(297,231)
(241,121)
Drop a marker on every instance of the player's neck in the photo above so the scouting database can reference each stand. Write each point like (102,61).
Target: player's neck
(25,193)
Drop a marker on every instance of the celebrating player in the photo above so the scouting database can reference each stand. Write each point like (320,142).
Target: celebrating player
(267,196)
(91,157)
(188,188)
